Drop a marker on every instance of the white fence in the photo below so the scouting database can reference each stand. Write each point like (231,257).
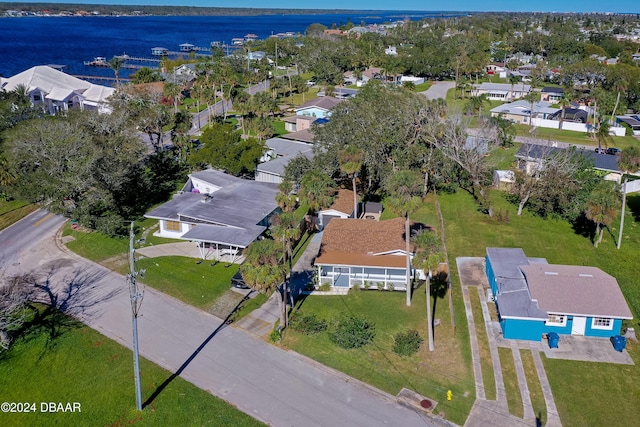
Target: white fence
(632,186)
(579,127)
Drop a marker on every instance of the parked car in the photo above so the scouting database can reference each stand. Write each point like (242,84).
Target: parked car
(613,151)
(600,150)
(237,281)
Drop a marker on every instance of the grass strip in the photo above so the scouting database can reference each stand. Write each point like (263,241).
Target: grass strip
(535,389)
(483,346)
(511,386)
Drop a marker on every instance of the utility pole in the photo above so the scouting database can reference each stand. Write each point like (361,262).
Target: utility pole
(136,301)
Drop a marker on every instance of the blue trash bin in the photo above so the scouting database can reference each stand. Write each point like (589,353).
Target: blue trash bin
(619,342)
(553,339)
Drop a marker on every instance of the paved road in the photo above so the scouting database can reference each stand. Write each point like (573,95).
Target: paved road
(279,387)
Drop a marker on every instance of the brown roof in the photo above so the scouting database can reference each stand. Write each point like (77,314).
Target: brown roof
(305,135)
(579,290)
(338,258)
(343,202)
(326,102)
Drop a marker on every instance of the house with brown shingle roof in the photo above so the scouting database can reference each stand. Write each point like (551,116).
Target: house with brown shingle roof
(365,253)
(342,207)
(534,298)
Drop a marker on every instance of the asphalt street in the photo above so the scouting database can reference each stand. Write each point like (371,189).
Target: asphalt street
(278,387)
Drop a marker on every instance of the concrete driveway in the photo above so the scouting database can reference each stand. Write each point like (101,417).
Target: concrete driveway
(438,90)
(278,387)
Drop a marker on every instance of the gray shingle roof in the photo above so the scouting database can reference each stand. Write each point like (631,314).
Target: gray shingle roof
(577,290)
(229,215)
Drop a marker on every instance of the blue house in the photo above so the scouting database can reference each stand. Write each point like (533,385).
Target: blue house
(534,297)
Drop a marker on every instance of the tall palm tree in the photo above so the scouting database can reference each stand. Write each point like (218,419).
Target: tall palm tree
(532,97)
(403,188)
(316,190)
(116,63)
(602,207)
(350,159)
(564,102)
(173,91)
(429,254)
(602,134)
(629,162)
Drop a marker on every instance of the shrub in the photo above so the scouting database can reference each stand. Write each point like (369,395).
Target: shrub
(406,343)
(308,325)
(353,332)
(390,287)
(276,334)
(355,288)
(325,287)
(380,286)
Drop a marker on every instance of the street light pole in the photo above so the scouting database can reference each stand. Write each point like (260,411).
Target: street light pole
(136,301)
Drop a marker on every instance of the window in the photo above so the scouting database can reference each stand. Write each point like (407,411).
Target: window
(602,323)
(172,226)
(557,320)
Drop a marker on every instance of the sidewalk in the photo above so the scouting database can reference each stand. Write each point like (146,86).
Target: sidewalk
(278,387)
(496,412)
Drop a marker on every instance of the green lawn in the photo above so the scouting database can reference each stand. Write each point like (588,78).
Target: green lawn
(279,127)
(80,365)
(13,211)
(430,374)
(535,389)
(183,278)
(422,87)
(602,386)
(94,245)
(511,386)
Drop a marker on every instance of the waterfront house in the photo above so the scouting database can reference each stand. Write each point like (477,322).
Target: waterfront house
(221,213)
(364,253)
(159,51)
(534,298)
(55,91)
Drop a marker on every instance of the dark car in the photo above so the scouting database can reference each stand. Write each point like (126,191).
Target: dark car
(613,151)
(237,281)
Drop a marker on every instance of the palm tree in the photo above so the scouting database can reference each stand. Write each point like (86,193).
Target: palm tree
(403,188)
(286,229)
(262,272)
(629,162)
(602,134)
(285,200)
(428,255)
(475,103)
(316,190)
(564,102)
(532,97)
(116,63)
(172,91)
(601,207)
(350,159)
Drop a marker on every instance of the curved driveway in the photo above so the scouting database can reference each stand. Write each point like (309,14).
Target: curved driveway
(281,388)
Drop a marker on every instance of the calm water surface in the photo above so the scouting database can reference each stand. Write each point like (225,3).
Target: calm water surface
(26,42)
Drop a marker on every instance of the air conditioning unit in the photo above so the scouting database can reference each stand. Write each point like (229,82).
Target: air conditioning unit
(490,297)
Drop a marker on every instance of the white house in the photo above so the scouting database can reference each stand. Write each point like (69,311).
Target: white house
(223,214)
(501,91)
(56,91)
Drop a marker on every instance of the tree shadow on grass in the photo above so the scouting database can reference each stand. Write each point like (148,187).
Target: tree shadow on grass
(193,355)
(584,227)
(53,301)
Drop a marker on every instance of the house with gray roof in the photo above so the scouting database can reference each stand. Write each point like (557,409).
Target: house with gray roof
(534,298)
(279,152)
(223,214)
(519,111)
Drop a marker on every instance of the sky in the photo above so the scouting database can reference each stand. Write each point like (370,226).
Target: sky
(618,6)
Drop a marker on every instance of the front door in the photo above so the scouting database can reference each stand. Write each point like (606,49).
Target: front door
(579,325)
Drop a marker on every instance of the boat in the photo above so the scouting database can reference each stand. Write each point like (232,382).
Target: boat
(98,61)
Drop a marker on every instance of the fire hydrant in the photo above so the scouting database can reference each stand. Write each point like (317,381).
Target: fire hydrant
(449,395)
